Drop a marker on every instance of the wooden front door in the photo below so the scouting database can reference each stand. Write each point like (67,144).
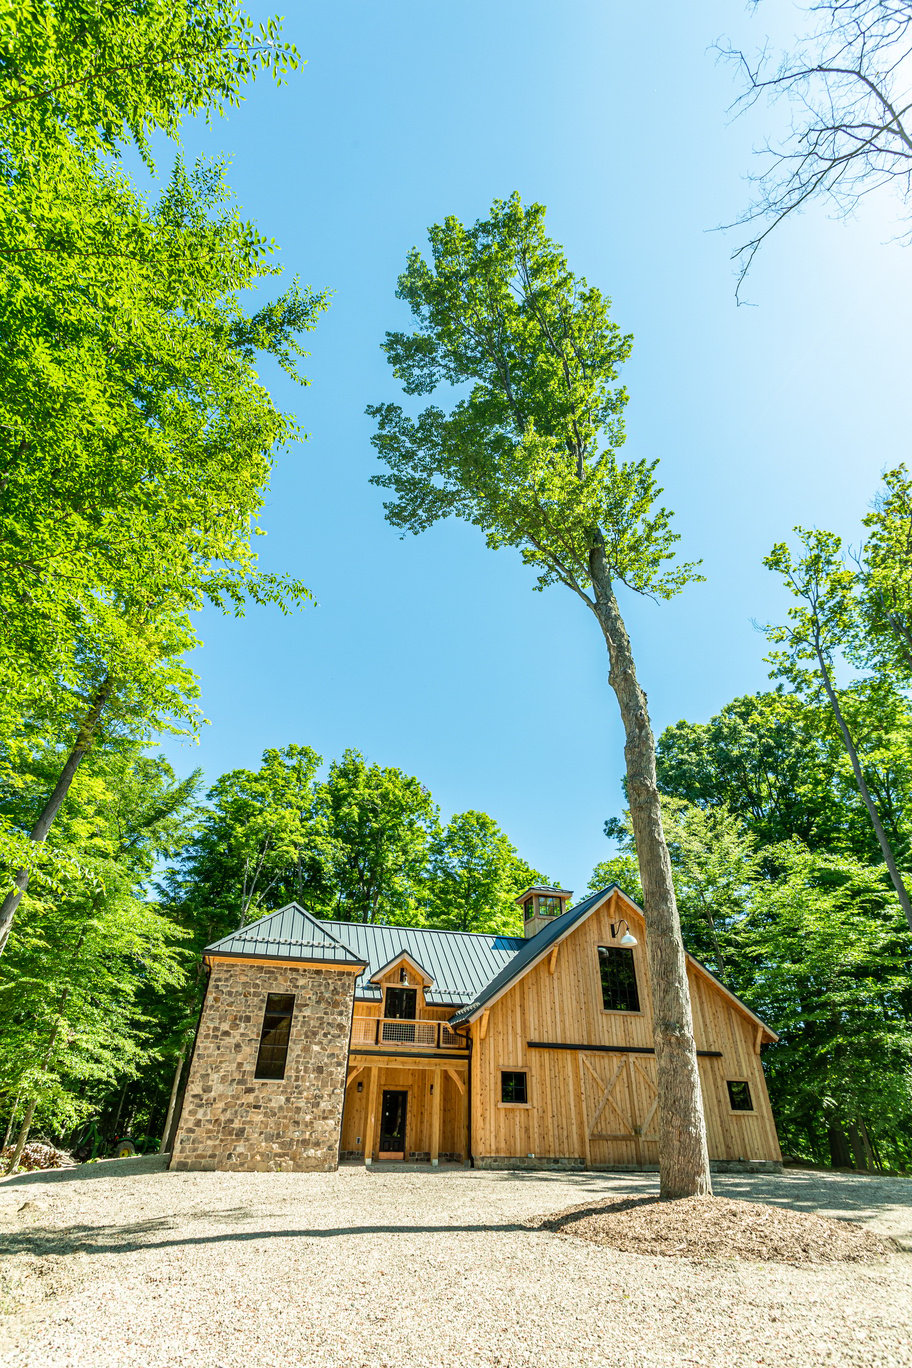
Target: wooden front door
(393,1116)
(620,1099)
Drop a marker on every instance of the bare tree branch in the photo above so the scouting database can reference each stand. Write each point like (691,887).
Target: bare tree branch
(849,83)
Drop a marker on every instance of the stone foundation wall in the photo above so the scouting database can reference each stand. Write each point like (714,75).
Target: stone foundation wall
(503,1161)
(231,1120)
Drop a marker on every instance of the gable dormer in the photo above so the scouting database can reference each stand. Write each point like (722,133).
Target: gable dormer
(403,983)
(540,905)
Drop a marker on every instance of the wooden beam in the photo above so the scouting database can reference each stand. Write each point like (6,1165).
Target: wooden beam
(271,962)
(353,1074)
(484,1024)
(456,1079)
(370,1130)
(758,1039)
(552,962)
(435,1118)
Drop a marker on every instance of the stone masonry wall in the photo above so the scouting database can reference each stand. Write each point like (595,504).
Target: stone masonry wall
(231,1120)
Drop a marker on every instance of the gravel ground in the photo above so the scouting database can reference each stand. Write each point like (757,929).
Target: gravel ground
(121,1264)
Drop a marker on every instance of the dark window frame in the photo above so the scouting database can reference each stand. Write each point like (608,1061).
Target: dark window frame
(404,991)
(733,1103)
(529,909)
(620,987)
(272,1052)
(514,1075)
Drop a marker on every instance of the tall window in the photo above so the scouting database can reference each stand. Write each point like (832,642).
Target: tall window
(513,1086)
(528,908)
(619,980)
(274,1036)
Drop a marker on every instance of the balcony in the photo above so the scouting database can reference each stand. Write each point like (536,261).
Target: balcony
(395,1033)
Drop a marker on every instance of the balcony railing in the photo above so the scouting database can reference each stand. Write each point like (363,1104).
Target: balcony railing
(401,1034)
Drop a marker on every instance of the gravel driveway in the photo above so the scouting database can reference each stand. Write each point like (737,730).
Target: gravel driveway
(119,1263)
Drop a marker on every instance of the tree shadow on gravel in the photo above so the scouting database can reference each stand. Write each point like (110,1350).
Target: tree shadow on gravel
(128,1239)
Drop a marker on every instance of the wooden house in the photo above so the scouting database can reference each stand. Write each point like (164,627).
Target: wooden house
(322,1040)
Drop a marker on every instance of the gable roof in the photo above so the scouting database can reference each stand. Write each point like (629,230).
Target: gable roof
(531,951)
(537,946)
(403,958)
(291,933)
(460,963)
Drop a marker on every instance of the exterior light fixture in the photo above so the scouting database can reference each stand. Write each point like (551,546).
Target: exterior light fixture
(627,940)
(359,1086)
(403,976)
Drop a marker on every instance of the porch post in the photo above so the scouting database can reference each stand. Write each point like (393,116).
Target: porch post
(370,1133)
(435,1117)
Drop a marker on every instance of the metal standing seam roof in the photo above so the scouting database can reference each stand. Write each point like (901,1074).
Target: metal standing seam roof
(291,933)
(461,963)
(469,968)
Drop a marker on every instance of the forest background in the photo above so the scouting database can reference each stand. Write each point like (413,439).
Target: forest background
(433,660)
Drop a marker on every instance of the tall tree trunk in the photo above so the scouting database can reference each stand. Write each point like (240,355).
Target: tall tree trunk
(683,1153)
(22,1138)
(858,1149)
(120,1108)
(171,1101)
(9,1124)
(38,834)
(839,1146)
(902,892)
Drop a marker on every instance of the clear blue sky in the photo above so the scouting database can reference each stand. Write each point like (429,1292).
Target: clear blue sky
(433,653)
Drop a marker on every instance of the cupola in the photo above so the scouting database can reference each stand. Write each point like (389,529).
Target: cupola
(540,905)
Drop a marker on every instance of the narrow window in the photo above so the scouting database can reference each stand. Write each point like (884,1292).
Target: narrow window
(619,980)
(274,1036)
(739,1095)
(528,908)
(513,1086)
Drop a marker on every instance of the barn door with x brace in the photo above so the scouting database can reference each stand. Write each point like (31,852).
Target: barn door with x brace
(620,1099)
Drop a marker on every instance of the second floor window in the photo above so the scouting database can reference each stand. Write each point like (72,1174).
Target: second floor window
(402,1003)
(619,980)
(275,1035)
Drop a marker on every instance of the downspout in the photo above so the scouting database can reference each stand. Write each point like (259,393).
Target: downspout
(468,1039)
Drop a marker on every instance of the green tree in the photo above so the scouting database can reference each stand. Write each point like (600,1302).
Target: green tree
(777,761)
(97,72)
(136,438)
(528,454)
(475,875)
(256,846)
(825,956)
(377,823)
(90,959)
(824,623)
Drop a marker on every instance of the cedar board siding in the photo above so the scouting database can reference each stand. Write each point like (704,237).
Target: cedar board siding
(416,1079)
(568,1115)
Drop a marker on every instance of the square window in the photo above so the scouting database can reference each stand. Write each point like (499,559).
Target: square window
(513,1086)
(274,1036)
(619,980)
(739,1095)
